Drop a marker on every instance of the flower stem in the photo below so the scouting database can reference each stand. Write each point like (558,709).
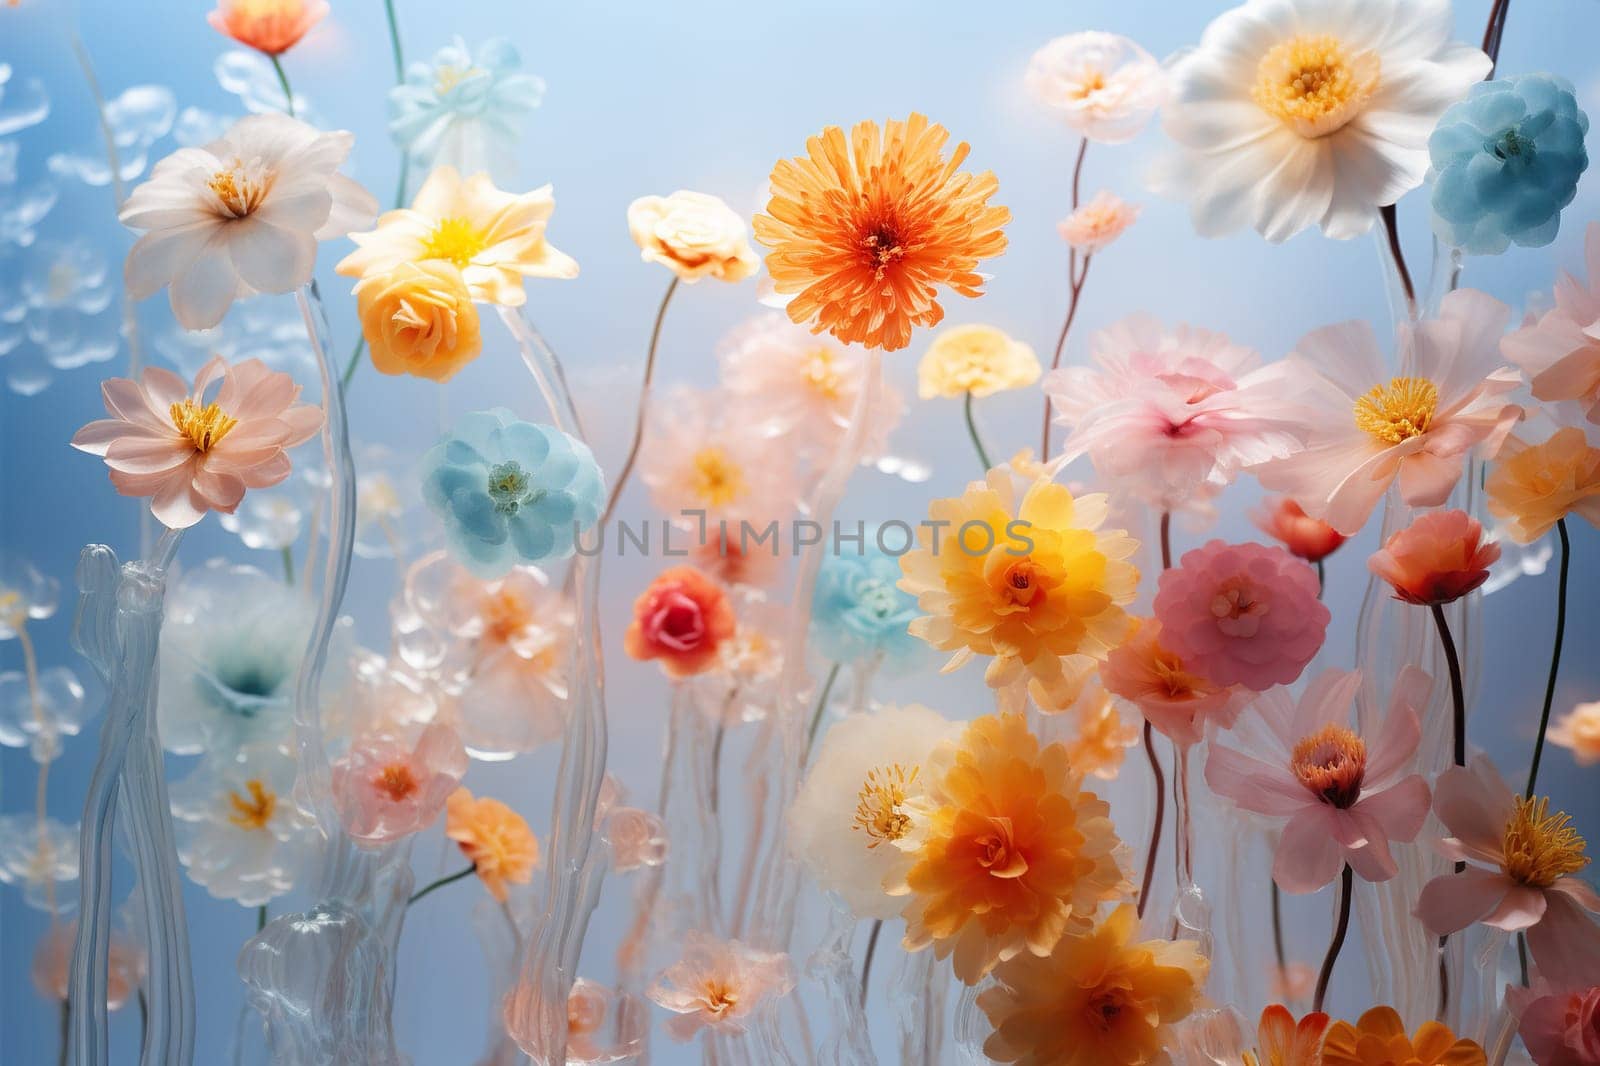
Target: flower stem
(972,431)
(283,80)
(866,960)
(716,760)
(822,705)
(1346,890)
(1322,578)
(1155,829)
(1075,280)
(394,42)
(288,564)
(66,1029)
(1166,540)
(1277,929)
(1493,31)
(1393,230)
(1555,657)
(1457,698)
(644,402)
(261,917)
(448,879)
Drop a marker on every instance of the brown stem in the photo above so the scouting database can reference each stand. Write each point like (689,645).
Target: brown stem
(1346,890)
(1457,697)
(644,402)
(866,961)
(1075,280)
(1155,830)
(1387,213)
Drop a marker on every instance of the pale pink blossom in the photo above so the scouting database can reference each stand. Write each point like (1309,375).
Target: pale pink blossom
(719,985)
(52,964)
(602,1025)
(1368,427)
(1339,801)
(1560,350)
(386,789)
(192,454)
(637,838)
(1104,86)
(1097,223)
(1175,700)
(703,456)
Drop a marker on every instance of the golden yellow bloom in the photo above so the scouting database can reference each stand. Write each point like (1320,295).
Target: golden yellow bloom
(1038,586)
(694,234)
(495,837)
(1533,486)
(1098,999)
(1379,1039)
(981,360)
(1579,733)
(1011,852)
(864,230)
(419,319)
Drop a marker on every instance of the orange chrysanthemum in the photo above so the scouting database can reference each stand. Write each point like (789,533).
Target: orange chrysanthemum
(864,231)
(1379,1039)
(1011,852)
(496,838)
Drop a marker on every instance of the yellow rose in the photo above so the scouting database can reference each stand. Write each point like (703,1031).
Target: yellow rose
(976,359)
(694,234)
(419,319)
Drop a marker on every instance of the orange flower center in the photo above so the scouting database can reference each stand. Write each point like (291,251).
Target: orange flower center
(881,246)
(254,811)
(1024,584)
(715,479)
(1331,763)
(1399,411)
(395,781)
(204,426)
(1237,610)
(1540,848)
(1176,682)
(720,997)
(997,849)
(505,614)
(1103,1007)
(1313,85)
(880,805)
(455,239)
(239,192)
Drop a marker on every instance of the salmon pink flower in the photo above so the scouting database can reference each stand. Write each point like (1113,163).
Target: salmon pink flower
(1175,700)
(1097,223)
(1287,523)
(1579,733)
(718,985)
(1340,801)
(1560,351)
(682,619)
(1560,1023)
(385,789)
(191,454)
(269,26)
(52,964)
(1437,559)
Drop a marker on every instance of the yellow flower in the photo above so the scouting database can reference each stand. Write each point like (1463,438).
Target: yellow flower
(1379,1039)
(494,238)
(1011,852)
(419,319)
(694,234)
(1533,486)
(1038,586)
(1097,1000)
(981,360)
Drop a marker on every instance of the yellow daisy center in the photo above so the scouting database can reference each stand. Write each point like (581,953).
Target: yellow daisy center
(239,192)
(1540,848)
(204,426)
(715,479)
(253,811)
(1399,411)
(822,372)
(880,805)
(1313,85)
(1331,763)
(455,239)
(447,77)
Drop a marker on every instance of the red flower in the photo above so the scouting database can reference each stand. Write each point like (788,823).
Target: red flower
(681,619)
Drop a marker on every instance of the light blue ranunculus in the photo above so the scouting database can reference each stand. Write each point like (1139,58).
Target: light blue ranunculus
(461,109)
(1506,160)
(858,612)
(510,491)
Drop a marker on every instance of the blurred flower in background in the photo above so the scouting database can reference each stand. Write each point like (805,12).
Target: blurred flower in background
(36,714)
(462,108)
(39,855)
(1104,86)
(137,117)
(860,615)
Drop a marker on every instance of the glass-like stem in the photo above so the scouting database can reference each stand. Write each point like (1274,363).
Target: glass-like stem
(1341,927)
(1391,230)
(866,960)
(1555,658)
(1183,830)
(820,709)
(448,879)
(644,404)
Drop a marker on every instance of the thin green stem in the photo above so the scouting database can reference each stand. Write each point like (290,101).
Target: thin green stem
(394,42)
(283,80)
(972,431)
(1555,658)
(866,961)
(1322,578)
(1346,890)
(355,360)
(287,552)
(644,403)
(450,879)
(261,917)
(822,706)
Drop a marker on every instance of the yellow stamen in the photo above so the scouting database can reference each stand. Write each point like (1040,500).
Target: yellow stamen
(716,480)
(880,806)
(256,811)
(1331,763)
(1541,848)
(447,77)
(1399,411)
(455,239)
(1313,85)
(204,426)
(239,192)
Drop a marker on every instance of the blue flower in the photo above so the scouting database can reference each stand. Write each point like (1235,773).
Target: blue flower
(510,491)
(462,109)
(858,612)
(1506,160)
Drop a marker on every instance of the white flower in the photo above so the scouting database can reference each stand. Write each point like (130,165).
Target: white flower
(240,216)
(1293,113)
(1106,87)
(40,855)
(37,713)
(852,807)
(240,835)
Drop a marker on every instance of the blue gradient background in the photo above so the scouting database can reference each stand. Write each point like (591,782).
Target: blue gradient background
(651,98)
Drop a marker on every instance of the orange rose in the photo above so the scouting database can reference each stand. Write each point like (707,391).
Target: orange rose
(419,319)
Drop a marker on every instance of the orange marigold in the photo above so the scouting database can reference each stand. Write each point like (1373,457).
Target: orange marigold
(1010,851)
(864,231)
(496,838)
(1379,1039)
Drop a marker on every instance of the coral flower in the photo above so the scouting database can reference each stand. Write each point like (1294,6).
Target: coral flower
(270,26)
(1367,428)
(1287,523)
(718,985)
(386,789)
(980,360)
(1532,487)
(419,319)
(1343,802)
(1101,737)
(191,454)
(1379,1039)
(52,964)
(1175,700)
(1092,227)
(1099,999)
(1579,733)
(496,838)
(693,234)
(1560,352)
(1438,558)
(864,230)
(494,238)
(1011,852)
(682,619)
(1559,1027)
(1105,87)
(637,838)
(1037,585)
(1529,860)
(1242,614)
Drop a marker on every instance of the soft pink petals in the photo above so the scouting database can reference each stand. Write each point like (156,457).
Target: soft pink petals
(1566,945)
(1308,855)
(1455,901)
(385,790)
(1474,804)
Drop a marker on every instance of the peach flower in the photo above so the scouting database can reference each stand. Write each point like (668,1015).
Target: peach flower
(419,319)
(385,790)
(1175,700)
(1437,559)
(52,964)
(1560,352)
(682,620)
(637,838)
(1097,223)
(718,985)
(495,837)
(1579,733)
(1287,523)
(1104,86)
(270,26)
(191,455)
(1532,487)
(1101,736)
(593,1012)
(1379,1039)
(693,234)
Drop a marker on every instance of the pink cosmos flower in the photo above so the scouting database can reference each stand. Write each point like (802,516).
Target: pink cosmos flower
(189,454)
(385,790)
(1105,86)
(1097,223)
(1241,614)
(719,985)
(1560,352)
(1520,873)
(1175,700)
(1367,427)
(1438,558)
(1340,802)
(1169,411)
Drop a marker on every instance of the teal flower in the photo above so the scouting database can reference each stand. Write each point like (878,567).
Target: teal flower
(510,492)
(462,108)
(1506,160)
(858,612)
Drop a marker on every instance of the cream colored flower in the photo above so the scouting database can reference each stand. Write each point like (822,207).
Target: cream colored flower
(1579,733)
(1106,87)
(694,234)
(981,360)
(1097,223)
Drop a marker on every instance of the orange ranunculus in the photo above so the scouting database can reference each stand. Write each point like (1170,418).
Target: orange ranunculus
(496,838)
(1379,1039)
(1286,522)
(270,26)
(865,228)
(681,619)
(1532,487)
(419,319)
(1437,559)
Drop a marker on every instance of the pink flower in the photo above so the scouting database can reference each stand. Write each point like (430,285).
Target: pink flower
(637,838)
(1561,351)
(1438,558)
(1169,411)
(1367,428)
(1241,614)
(192,455)
(1560,1028)
(718,985)
(1520,874)
(52,964)
(385,790)
(1172,698)
(1287,523)
(602,1026)
(1340,803)
(1097,223)
(1105,86)
(701,454)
